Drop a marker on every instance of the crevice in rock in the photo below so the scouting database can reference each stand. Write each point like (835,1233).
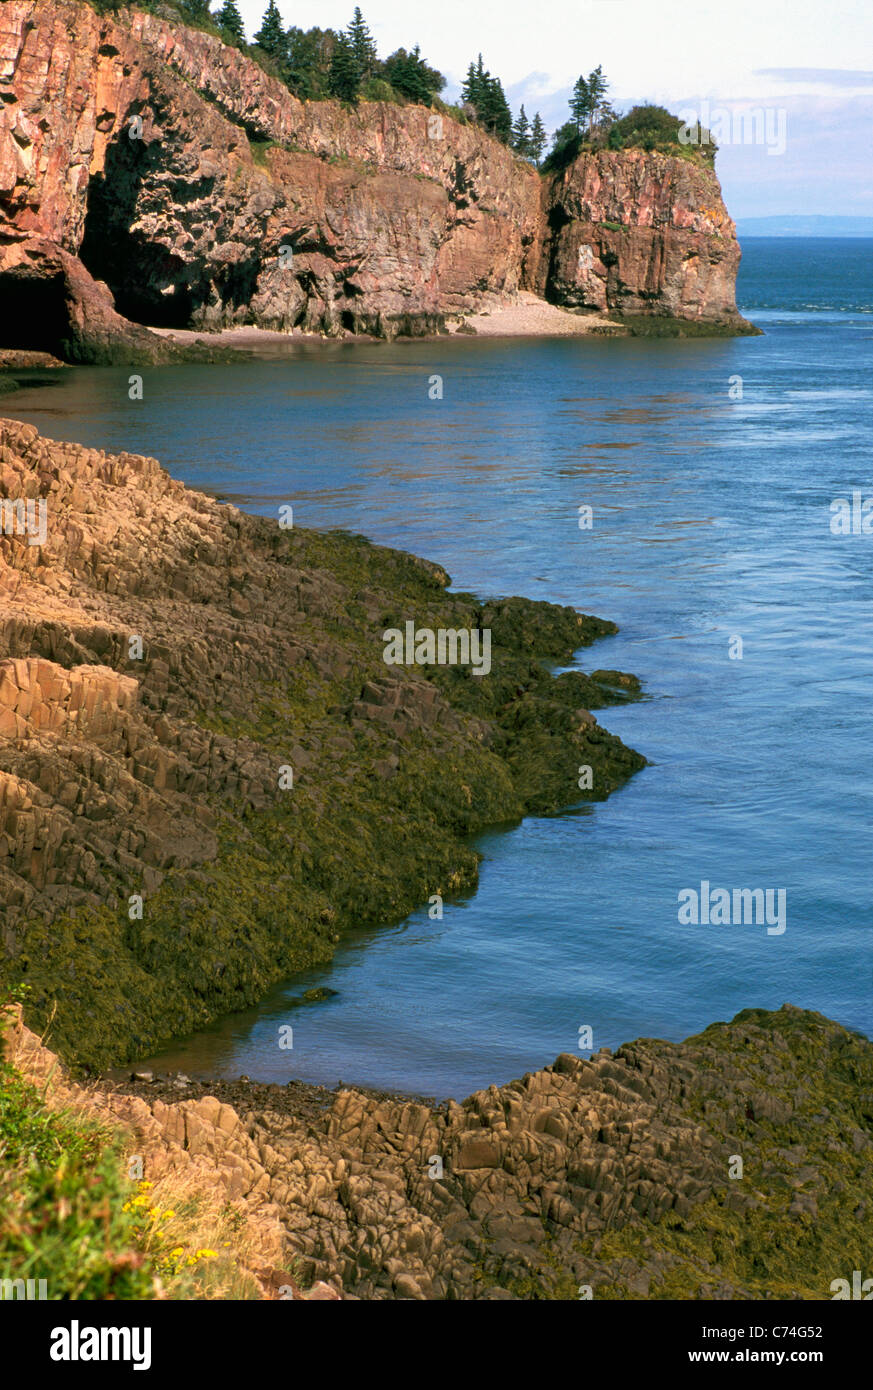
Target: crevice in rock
(557,219)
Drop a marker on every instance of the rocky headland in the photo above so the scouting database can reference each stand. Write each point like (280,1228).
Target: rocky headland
(151,175)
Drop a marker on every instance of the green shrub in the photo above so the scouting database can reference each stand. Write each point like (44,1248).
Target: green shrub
(62,1199)
(376,89)
(651,127)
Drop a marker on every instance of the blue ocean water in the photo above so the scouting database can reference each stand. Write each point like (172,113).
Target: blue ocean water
(711,466)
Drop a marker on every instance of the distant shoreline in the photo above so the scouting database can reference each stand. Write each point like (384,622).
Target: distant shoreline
(807,226)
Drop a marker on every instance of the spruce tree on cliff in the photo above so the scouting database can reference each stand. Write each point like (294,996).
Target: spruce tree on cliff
(229,21)
(344,76)
(363,44)
(580,104)
(469,86)
(521,135)
(488,99)
(271,35)
(496,115)
(597,89)
(588,104)
(475,87)
(537,139)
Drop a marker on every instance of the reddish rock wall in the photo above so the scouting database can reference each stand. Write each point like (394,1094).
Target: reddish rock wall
(240,204)
(637,233)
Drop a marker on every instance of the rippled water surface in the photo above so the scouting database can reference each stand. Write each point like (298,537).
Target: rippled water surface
(711,521)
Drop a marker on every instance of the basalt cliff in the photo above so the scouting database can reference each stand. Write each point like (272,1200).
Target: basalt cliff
(150,175)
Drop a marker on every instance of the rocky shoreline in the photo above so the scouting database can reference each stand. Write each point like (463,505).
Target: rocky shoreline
(139,768)
(735,1165)
(152,774)
(207,769)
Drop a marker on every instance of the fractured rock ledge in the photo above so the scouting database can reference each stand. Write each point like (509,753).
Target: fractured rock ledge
(162,659)
(608,1178)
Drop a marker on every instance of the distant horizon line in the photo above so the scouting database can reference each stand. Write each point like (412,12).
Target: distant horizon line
(848,225)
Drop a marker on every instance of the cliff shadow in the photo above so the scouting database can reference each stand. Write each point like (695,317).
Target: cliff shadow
(556,221)
(149,283)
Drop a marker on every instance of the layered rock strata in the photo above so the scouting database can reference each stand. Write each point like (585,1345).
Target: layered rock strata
(151,175)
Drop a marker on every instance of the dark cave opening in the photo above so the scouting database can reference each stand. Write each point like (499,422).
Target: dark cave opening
(34,313)
(148,282)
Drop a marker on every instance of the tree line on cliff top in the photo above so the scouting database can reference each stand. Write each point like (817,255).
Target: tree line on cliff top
(318,64)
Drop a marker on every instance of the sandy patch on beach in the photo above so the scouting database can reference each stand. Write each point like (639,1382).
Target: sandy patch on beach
(532,317)
(528,317)
(246,336)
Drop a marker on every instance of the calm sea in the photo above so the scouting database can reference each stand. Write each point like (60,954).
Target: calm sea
(711,467)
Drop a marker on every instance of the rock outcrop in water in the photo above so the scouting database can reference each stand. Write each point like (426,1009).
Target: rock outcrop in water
(614,1177)
(240,204)
(643,236)
(206,766)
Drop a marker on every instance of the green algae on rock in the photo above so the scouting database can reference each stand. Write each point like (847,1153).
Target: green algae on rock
(613,1176)
(207,770)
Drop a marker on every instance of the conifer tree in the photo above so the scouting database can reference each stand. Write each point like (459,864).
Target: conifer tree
(468,86)
(363,44)
(487,97)
(537,138)
(344,75)
(521,134)
(271,35)
(597,89)
(494,110)
(475,82)
(580,104)
(229,21)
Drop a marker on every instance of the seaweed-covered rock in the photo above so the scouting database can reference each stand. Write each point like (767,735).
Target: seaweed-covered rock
(734,1165)
(207,768)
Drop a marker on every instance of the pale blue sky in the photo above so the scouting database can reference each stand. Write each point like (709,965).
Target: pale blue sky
(810,63)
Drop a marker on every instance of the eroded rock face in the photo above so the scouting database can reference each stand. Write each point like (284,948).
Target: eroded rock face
(391,223)
(148,172)
(641,235)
